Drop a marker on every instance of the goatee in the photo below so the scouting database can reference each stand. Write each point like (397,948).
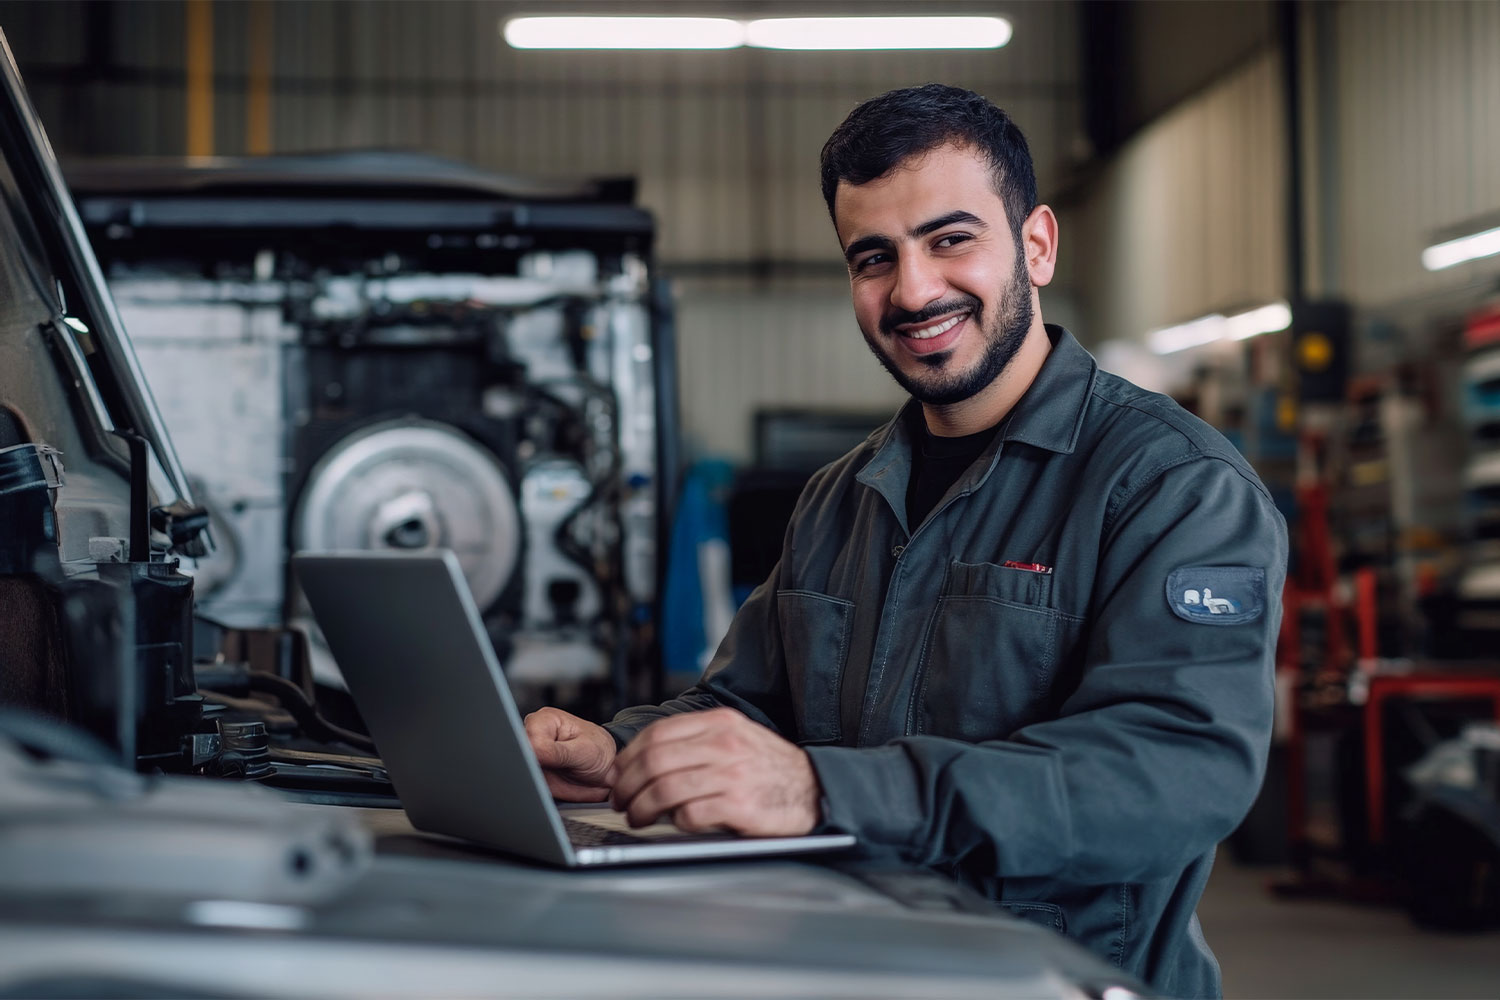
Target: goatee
(1003,339)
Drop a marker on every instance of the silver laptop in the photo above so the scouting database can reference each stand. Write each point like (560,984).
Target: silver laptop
(409,640)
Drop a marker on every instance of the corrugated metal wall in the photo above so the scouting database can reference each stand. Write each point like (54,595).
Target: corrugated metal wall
(725,145)
(1418,103)
(1189,218)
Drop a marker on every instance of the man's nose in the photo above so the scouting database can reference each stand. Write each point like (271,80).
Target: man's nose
(918,283)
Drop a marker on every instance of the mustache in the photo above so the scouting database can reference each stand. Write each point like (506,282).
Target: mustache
(900,317)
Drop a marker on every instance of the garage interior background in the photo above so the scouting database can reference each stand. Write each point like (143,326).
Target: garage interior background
(1206,159)
(1171,144)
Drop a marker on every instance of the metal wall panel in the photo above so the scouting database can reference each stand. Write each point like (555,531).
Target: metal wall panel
(1189,218)
(31,30)
(1419,141)
(746,345)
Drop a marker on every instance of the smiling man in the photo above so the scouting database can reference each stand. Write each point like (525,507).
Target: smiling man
(985,648)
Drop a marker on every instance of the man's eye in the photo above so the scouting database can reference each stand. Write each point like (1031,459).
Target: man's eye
(865,262)
(953,239)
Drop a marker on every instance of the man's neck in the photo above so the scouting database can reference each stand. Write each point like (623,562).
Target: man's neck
(990,405)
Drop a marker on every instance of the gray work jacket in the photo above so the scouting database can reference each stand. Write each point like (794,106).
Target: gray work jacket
(1057,688)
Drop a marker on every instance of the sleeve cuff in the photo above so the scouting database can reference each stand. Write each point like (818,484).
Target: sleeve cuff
(872,793)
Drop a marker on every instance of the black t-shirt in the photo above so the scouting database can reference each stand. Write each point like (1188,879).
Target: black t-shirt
(936,464)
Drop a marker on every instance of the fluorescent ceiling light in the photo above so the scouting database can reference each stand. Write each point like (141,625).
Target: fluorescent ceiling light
(879,33)
(1216,326)
(821,33)
(1472,247)
(1204,330)
(624,33)
(1266,319)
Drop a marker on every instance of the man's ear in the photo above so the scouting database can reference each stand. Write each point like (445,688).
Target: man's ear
(1039,242)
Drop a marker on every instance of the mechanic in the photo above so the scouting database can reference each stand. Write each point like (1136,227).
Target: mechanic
(1022,634)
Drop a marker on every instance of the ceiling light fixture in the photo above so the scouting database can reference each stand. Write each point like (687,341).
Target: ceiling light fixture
(623,33)
(1195,333)
(809,33)
(1254,322)
(1216,326)
(800,33)
(1465,248)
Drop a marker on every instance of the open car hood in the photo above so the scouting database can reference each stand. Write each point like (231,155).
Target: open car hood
(58,325)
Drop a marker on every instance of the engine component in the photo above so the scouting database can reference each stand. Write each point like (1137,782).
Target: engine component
(559,591)
(245,749)
(417,487)
(392,366)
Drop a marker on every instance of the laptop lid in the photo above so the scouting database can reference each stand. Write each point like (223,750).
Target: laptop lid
(412,648)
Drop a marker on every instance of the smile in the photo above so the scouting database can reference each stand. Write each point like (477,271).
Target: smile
(936,330)
(935,337)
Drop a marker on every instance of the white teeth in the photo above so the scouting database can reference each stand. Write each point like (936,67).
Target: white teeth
(933,331)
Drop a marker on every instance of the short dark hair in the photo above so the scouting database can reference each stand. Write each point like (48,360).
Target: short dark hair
(884,131)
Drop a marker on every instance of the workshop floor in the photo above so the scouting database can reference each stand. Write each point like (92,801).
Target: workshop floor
(1271,948)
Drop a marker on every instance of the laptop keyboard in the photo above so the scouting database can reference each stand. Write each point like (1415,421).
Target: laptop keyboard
(589,835)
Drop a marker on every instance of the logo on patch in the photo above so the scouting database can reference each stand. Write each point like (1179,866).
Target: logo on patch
(1206,603)
(1217,595)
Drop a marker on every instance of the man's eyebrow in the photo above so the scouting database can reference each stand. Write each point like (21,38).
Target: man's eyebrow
(865,243)
(960,215)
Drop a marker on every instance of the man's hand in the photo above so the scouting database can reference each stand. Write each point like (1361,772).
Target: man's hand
(716,770)
(575,754)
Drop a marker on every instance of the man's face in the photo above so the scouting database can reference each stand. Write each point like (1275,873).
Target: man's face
(940,285)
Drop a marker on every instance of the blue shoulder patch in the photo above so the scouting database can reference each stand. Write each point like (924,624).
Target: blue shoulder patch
(1217,595)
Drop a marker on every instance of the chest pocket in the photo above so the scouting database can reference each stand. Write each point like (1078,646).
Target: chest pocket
(815,638)
(988,661)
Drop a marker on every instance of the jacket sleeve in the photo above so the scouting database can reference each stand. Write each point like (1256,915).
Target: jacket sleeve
(1155,755)
(748,671)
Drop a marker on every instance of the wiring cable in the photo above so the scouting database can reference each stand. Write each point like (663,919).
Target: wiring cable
(303,709)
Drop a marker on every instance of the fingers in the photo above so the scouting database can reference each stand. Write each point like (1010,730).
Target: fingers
(713,770)
(547,725)
(566,755)
(567,743)
(630,776)
(571,791)
(675,728)
(706,815)
(680,767)
(664,793)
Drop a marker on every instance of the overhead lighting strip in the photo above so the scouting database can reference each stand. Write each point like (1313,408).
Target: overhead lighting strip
(1216,327)
(623,33)
(792,33)
(830,33)
(1461,250)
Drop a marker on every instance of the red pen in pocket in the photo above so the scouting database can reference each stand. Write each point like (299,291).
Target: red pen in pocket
(1028,567)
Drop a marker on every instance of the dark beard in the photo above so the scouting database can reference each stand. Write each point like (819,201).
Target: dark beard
(1005,339)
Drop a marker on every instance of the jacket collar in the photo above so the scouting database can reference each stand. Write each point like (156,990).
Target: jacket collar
(1050,415)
